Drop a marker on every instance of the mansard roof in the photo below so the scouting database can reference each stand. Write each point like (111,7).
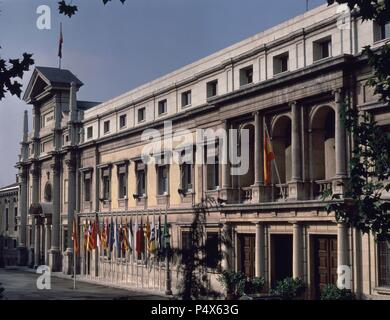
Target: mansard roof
(45,77)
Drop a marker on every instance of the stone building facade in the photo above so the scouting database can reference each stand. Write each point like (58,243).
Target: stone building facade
(287,84)
(9,218)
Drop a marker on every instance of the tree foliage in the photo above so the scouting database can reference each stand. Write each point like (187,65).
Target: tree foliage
(364,206)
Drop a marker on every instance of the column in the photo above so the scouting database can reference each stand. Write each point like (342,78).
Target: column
(341,168)
(22,250)
(68,257)
(296,151)
(342,245)
(297,250)
(226,178)
(47,239)
(260,250)
(54,259)
(259,148)
(37,241)
(226,246)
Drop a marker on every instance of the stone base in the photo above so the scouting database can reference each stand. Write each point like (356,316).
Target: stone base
(340,186)
(228,194)
(55,260)
(30,257)
(261,193)
(297,190)
(67,262)
(22,256)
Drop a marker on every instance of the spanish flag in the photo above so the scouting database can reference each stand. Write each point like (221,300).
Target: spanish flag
(269,156)
(76,248)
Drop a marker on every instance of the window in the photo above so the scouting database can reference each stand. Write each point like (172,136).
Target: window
(186,240)
(123,121)
(106,188)
(162,178)
(212,167)
(122,181)
(186,99)
(162,107)
(246,76)
(322,49)
(212,89)
(141,114)
(15,219)
(6,219)
(186,177)
(141,179)
(89,132)
(281,63)
(382,31)
(212,249)
(106,125)
(384,263)
(87,186)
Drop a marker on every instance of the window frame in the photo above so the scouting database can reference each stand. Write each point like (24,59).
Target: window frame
(163,103)
(186,99)
(245,79)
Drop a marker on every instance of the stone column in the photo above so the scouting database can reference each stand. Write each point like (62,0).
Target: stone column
(47,239)
(224,158)
(297,250)
(341,168)
(296,187)
(22,249)
(71,164)
(296,151)
(260,250)
(54,257)
(259,149)
(226,246)
(37,240)
(342,245)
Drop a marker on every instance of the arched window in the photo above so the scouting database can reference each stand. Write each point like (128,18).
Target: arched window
(48,192)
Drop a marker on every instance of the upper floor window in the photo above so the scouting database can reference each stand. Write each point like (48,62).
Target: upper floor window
(322,48)
(186,99)
(163,179)
(89,132)
(141,114)
(141,179)
(212,166)
(15,219)
(212,88)
(186,177)
(87,186)
(106,184)
(162,107)
(281,63)
(246,76)
(106,126)
(382,31)
(6,219)
(122,121)
(122,181)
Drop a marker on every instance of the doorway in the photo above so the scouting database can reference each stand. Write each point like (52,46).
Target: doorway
(281,257)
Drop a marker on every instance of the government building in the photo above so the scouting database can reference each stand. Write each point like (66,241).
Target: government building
(281,90)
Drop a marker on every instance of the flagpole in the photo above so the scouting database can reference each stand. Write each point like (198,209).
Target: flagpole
(275,164)
(60,47)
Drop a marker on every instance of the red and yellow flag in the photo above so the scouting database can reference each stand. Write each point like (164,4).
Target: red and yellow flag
(76,248)
(268,157)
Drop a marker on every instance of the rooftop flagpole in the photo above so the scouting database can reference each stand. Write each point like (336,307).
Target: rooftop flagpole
(60,42)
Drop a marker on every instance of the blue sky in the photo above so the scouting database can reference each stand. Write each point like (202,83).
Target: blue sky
(116,47)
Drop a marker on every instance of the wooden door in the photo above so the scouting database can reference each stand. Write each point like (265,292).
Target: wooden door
(325,260)
(247,254)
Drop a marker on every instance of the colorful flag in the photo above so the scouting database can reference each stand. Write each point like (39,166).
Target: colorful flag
(76,248)
(89,237)
(111,235)
(269,156)
(131,235)
(152,241)
(140,245)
